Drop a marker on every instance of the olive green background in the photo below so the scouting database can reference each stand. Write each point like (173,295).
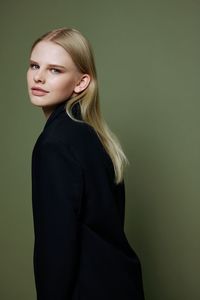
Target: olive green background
(147,58)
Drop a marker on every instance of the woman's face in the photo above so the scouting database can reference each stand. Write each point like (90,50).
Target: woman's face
(52,70)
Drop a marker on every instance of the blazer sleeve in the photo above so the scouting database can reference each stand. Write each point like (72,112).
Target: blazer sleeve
(57,189)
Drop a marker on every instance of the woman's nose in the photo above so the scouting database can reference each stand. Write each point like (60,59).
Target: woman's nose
(39,76)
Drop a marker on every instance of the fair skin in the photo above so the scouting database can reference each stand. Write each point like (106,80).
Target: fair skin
(53,70)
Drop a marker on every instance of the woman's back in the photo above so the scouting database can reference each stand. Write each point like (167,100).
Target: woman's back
(81,250)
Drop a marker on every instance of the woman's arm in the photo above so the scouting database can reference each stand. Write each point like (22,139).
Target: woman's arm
(56,195)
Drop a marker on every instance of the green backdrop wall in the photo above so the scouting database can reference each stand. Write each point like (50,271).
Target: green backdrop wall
(147,57)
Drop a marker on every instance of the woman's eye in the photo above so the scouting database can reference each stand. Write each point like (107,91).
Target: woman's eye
(33,66)
(55,70)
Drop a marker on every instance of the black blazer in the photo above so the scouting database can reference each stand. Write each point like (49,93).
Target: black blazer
(80,248)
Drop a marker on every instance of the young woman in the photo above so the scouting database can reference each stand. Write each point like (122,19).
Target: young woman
(78,191)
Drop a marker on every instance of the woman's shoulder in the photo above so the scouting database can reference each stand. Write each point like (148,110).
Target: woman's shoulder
(77,132)
(77,139)
(78,135)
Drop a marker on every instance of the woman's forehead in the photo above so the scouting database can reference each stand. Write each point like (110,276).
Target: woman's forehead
(50,53)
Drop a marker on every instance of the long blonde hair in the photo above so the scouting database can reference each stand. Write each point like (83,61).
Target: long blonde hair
(81,52)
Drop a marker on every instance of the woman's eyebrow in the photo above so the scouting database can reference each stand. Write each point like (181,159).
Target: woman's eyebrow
(50,65)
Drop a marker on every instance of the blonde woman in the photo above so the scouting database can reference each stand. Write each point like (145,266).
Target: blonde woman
(78,191)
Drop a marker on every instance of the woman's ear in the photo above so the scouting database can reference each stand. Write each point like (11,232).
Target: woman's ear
(82,83)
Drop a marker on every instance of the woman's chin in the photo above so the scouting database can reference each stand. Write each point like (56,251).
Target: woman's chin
(38,101)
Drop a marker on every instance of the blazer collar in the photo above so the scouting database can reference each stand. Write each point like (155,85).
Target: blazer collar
(61,108)
(55,113)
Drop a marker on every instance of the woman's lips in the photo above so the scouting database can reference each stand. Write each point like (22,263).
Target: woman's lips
(38,92)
